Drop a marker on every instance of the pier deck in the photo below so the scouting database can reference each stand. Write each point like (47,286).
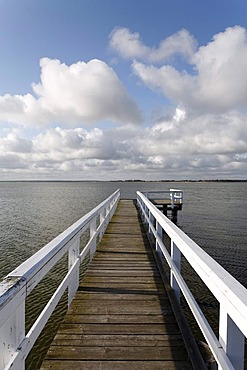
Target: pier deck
(121,317)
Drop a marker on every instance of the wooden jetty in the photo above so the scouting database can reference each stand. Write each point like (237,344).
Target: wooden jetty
(125,313)
(121,317)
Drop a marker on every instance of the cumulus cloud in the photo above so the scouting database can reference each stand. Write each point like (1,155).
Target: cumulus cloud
(79,93)
(70,144)
(205,136)
(219,81)
(209,145)
(13,143)
(129,45)
(24,110)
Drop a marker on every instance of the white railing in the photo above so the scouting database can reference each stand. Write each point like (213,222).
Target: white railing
(228,350)
(174,195)
(14,343)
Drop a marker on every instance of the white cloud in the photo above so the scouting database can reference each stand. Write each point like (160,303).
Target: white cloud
(70,144)
(79,93)
(204,136)
(12,143)
(219,83)
(221,68)
(129,45)
(23,109)
(180,114)
(209,145)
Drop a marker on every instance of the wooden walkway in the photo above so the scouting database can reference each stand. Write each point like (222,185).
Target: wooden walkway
(121,317)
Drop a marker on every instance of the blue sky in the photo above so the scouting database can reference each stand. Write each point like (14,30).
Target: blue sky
(116,89)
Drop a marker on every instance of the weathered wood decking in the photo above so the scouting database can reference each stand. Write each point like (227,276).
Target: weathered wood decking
(121,317)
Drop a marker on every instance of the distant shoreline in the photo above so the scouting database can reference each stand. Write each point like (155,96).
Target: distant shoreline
(136,180)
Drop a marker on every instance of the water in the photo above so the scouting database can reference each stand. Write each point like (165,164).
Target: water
(33,213)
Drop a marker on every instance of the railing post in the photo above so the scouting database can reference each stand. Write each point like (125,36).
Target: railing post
(101,220)
(172,196)
(181,197)
(151,221)
(93,238)
(112,209)
(145,212)
(11,335)
(159,231)
(232,340)
(107,214)
(142,209)
(176,258)
(74,252)
(108,208)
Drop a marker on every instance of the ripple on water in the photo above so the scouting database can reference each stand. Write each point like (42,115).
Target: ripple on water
(32,214)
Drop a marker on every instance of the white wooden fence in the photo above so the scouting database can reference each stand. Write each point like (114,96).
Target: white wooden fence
(14,343)
(228,350)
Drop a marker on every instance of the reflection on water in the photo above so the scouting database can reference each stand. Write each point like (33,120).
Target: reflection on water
(33,213)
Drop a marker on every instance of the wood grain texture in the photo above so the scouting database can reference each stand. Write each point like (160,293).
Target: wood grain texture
(121,317)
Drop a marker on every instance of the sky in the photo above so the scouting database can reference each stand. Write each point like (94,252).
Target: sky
(123,89)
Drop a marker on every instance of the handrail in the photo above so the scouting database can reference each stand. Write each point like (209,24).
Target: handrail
(15,287)
(175,195)
(228,350)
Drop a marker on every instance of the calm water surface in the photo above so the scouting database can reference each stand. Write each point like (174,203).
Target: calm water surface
(33,213)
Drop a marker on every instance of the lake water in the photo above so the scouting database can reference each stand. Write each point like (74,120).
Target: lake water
(33,213)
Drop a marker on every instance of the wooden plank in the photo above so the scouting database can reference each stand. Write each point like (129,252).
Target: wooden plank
(128,228)
(67,328)
(130,265)
(99,318)
(120,279)
(122,261)
(121,273)
(122,286)
(123,257)
(115,365)
(118,340)
(102,296)
(120,317)
(113,237)
(116,353)
(118,307)
(118,290)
